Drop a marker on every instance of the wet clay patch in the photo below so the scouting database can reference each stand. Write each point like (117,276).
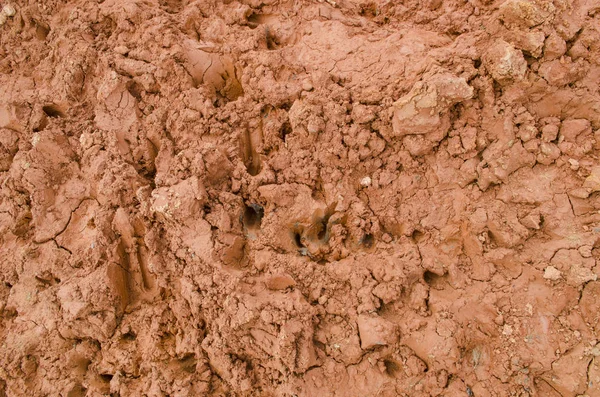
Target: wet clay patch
(311,198)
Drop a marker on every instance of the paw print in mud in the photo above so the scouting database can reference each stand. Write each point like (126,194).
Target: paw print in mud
(312,238)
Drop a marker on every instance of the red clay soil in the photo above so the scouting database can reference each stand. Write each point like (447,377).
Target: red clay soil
(300,198)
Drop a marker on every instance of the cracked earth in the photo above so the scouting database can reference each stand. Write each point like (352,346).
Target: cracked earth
(300,198)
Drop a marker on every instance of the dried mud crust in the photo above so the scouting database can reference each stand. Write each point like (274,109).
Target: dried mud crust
(300,198)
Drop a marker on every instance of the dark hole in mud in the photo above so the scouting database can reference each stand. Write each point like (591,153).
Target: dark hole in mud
(129,336)
(148,172)
(272,41)
(497,88)
(253,169)
(207,209)
(253,215)
(42,30)
(477,63)
(106,377)
(319,345)
(53,110)
(254,20)
(391,367)
(188,363)
(285,130)
(322,231)
(368,240)
(492,239)
(530,59)
(135,90)
(417,235)
(9,285)
(431,278)
(297,236)
(322,228)
(166,338)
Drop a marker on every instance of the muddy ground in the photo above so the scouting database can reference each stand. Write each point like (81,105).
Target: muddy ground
(300,198)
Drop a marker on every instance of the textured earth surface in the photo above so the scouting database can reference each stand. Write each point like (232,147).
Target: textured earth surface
(300,198)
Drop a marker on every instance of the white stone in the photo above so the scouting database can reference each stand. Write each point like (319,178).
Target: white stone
(552,273)
(9,10)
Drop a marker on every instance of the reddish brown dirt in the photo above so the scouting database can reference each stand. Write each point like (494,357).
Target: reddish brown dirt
(300,198)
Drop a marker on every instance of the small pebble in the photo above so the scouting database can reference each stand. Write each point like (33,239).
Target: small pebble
(552,273)
(121,49)
(366,181)
(574,164)
(9,10)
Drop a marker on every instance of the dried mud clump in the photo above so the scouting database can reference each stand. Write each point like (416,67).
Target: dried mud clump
(338,198)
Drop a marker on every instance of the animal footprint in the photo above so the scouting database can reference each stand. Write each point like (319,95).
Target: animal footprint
(133,256)
(312,239)
(250,140)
